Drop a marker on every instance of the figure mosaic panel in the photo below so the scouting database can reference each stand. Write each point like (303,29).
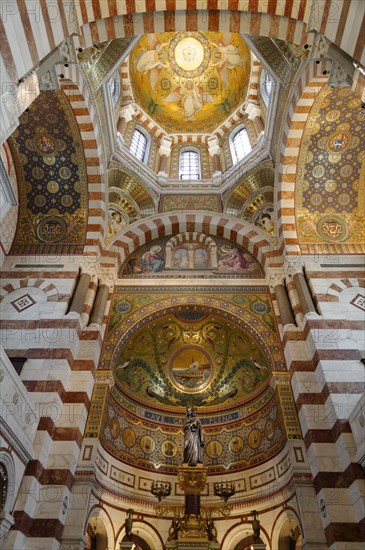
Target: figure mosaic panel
(51,172)
(191,254)
(330,198)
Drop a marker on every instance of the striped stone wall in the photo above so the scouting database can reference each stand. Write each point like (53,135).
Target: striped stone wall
(308,88)
(84,107)
(328,379)
(61,354)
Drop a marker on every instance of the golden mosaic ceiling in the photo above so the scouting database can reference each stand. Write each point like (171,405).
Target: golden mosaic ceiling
(191,81)
(330,198)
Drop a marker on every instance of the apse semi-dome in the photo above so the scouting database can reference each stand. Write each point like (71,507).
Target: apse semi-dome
(190,81)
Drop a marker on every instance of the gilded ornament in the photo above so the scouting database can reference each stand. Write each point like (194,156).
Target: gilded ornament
(52,186)
(330,185)
(254,439)
(332,228)
(343,199)
(51,229)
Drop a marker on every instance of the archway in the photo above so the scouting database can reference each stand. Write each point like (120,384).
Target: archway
(144,231)
(96,535)
(78,94)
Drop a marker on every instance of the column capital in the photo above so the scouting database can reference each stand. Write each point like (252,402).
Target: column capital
(127,112)
(214,147)
(280,379)
(276,278)
(88,269)
(252,111)
(320,47)
(165,146)
(104,377)
(107,279)
(291,268)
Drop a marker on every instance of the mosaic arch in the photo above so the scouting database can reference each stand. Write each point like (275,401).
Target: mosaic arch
(142,232)
(190,81)
(192,355)
(129,312)
(85,132)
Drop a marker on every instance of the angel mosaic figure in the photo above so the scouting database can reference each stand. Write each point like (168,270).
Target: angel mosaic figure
(153,60)
(226,57)
(191,98)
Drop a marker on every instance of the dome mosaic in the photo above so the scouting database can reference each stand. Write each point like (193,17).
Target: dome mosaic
(190,81)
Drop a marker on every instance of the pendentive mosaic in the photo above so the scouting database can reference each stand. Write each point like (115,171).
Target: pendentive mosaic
(330,198)
(51,173)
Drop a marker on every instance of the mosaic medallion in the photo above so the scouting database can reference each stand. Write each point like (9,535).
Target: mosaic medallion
(147,444)
(235,445)
(114,428)
(254,439)
(214,449)
(129,437)
(189,54)
(332,228)
(191,369)
(338,142)
(45,144)
(51,229)
(169,449)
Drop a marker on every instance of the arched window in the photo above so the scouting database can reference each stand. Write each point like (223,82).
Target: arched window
(240,144)
(139,146)
(189,165)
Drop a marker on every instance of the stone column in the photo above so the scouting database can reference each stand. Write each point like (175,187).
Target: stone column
(89,300)
(254,114)
(304,295)
(313,534)
(101,299)
(125,116)
(215,151)
(285,310)
(164,152)
(73,537)
(78,299)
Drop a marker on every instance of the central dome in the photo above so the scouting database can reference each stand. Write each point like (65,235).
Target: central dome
(190,81)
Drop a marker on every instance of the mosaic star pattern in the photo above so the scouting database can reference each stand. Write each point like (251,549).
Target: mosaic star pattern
(51,173)
(331,184)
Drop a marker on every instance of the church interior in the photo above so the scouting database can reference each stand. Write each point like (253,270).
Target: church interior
(182,275)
